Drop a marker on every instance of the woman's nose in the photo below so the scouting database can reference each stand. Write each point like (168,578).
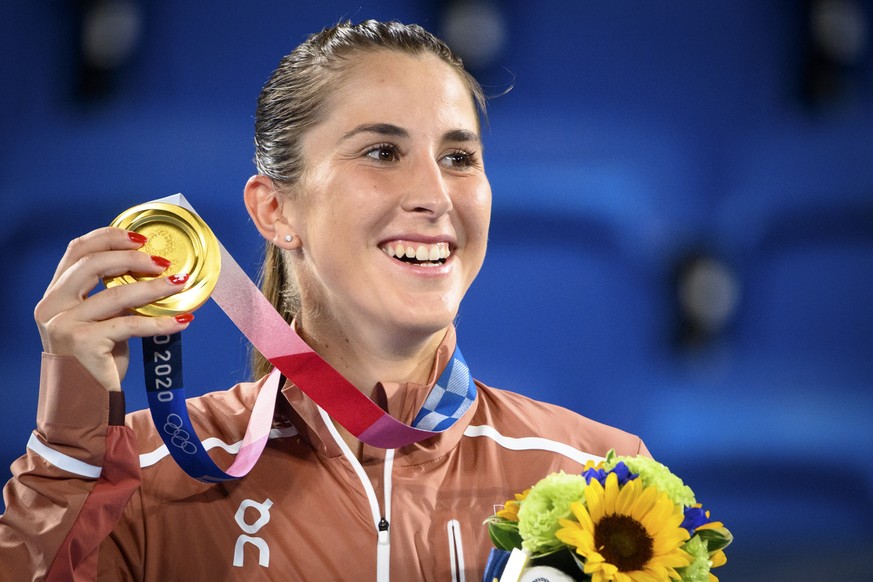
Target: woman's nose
(427,190)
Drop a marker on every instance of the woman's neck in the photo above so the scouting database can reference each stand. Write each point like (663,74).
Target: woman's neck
(367,358)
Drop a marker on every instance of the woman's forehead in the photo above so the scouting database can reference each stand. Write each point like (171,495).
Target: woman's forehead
(384,85)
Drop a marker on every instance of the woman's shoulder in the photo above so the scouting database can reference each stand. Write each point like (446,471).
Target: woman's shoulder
(517,416)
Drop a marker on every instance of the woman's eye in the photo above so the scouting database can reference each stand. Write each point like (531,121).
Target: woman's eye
(383,153)
(460,159)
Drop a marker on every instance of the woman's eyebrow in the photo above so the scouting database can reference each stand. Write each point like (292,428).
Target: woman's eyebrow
(461,135)
(379,128)
(391,130)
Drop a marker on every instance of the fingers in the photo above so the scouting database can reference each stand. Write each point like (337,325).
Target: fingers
(121,329)
(61,316)
(120,299)
(101,346)
(102,319)
(95,327)
(105,252)
(102,239)
(74,285)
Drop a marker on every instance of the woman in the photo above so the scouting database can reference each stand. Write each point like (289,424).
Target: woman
(372,196)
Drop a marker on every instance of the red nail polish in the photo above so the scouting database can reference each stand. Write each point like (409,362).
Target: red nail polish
(178,278)
(184,317)
(161,262)
(137,237)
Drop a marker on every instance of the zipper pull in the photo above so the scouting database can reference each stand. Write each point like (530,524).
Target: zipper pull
(383,531)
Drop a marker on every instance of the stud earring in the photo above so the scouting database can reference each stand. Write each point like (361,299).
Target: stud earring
(289,237)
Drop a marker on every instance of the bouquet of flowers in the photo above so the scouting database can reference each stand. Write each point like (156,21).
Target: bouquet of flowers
(627,519)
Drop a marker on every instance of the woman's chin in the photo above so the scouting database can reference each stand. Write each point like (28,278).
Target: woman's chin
(420,318)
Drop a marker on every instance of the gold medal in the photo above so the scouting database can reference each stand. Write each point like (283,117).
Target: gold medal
(186,241)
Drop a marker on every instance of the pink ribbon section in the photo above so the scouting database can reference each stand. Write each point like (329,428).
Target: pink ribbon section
(259,321)
(258,430)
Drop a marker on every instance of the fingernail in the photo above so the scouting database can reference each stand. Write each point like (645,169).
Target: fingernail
(137,237)
(178,278)
(184,317)
(161,262)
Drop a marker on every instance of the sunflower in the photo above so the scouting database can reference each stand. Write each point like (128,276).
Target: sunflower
(627,534)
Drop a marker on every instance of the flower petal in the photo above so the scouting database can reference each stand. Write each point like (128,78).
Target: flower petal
(626,497)
(594,500)
(610,494)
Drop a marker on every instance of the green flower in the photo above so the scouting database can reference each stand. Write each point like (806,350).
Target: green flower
(654,474)
(548,501)
(698,569)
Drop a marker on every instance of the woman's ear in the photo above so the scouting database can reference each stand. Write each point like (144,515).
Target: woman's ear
(265,206)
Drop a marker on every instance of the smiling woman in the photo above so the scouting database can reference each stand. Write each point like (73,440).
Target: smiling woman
(398,135)
(372,198)
(394,162)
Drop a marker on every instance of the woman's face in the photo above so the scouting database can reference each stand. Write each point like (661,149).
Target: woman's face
(395,168)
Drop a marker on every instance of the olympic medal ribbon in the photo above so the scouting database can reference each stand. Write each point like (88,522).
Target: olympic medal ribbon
(162,362)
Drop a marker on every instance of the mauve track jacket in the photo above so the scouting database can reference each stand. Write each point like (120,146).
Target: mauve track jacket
(97,497)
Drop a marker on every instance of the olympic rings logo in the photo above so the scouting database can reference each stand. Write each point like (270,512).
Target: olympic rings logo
(179,437)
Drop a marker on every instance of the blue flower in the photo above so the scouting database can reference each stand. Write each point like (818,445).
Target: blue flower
(694,518)
(621,471)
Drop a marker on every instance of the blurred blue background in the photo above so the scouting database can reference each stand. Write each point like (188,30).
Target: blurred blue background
(682,238)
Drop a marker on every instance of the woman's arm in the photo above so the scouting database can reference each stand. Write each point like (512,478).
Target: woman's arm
(68,490)
(81,466)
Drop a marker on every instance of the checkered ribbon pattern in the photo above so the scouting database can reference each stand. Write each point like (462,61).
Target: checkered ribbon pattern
(451,396)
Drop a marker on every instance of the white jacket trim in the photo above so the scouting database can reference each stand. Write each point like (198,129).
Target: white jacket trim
(530,444)
(149,459)
(62,461)
(456,550)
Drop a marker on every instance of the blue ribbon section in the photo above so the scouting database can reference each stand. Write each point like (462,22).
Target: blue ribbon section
(162,360)
(451,396)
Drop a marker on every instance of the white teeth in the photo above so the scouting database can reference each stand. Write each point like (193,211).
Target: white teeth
(421,253)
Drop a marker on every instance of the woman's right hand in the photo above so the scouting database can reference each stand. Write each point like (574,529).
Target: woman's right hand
(94,328)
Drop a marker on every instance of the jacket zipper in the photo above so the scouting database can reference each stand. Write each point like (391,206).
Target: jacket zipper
(381,522)
(383,551)
(383,545)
